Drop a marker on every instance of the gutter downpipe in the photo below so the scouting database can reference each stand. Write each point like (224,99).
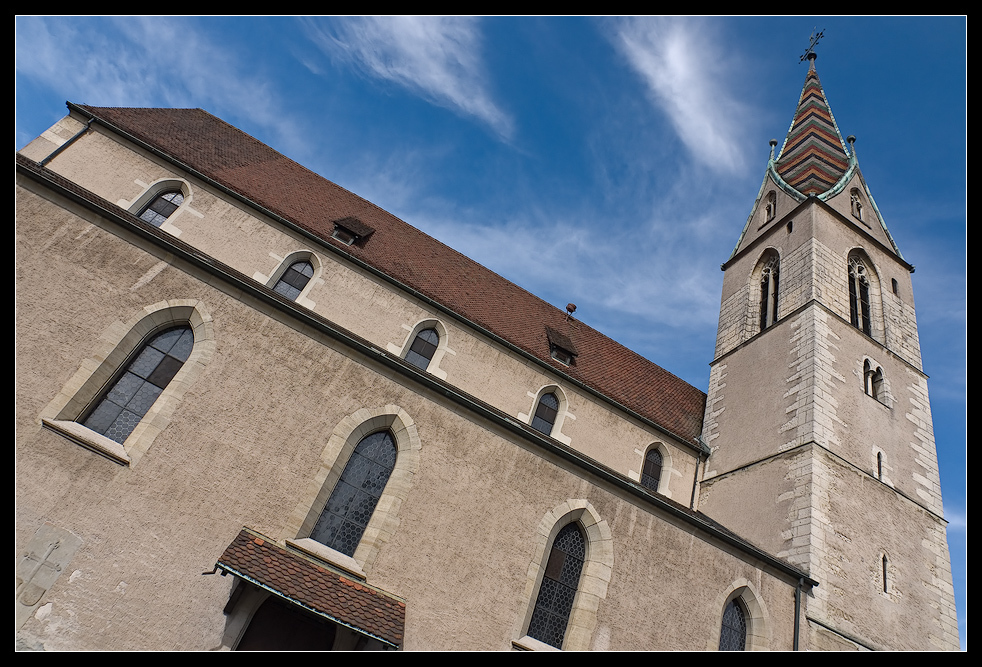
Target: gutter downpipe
(56,152)
(797,612)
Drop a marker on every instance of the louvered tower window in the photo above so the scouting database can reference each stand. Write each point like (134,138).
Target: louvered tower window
(859,304)
(769,278)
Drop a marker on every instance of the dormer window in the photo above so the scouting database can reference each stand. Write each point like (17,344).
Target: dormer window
(350,230)
(561,347)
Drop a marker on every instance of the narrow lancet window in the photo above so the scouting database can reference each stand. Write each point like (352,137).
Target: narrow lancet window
(651,474)
(769,279)
(859,302)
(424,346)
(545,414)
(294,279)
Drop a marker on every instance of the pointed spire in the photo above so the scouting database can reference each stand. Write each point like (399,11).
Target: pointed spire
(813,158)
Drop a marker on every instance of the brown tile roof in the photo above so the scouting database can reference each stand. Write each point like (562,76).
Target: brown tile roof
(297,578)
(255,171)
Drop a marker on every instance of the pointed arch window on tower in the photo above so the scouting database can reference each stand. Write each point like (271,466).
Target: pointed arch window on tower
(873,380)
(769,278)
(859,303)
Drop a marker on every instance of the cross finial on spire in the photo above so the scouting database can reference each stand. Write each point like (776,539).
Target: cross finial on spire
(809,53)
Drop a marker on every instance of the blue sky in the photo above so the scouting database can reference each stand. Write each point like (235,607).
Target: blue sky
(611,162)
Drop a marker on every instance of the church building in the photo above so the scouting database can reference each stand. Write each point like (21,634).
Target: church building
(255,411)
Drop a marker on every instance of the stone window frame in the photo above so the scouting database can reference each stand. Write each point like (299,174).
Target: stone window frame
(351,430)
(770,206)
(666,468)
(770,259)
(157,189)
(442,348)
(114,350)
(598,567)
(757,616)
(562,413)
(284,263)
(874,382)
(856,257)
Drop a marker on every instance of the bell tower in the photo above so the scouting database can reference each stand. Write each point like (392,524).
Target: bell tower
(817,414)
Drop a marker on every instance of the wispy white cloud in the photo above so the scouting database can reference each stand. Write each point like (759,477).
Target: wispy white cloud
(437,58)
(143,61)
(684,75)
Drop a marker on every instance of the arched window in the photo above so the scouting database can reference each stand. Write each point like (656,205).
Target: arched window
(162,207)
(859,302)
(651,474)
(769,278)
(294,279)
(879,466)
(424,346)
(733,632)
(141,382)
(558,588)
(353,500)
(545,414)
(873,380)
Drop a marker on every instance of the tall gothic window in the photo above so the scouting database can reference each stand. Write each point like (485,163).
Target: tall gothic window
(353,500)
(142,381)
(769,279)
(545,414)
(733,632)
(162,207)
(424,345)
(558,588)
(294,279)
(859,303)
(651,474)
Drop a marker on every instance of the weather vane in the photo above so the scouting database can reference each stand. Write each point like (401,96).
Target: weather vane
(812,44)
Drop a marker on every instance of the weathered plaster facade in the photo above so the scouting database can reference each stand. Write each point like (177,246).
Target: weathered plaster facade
(120,544)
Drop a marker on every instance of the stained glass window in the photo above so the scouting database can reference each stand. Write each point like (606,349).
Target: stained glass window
(350,507)
(143,380)
(558,587)
(733,633)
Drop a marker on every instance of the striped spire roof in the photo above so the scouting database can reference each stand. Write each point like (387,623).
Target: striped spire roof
(813,157)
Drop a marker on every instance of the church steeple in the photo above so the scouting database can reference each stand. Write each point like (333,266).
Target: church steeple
(813,159)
